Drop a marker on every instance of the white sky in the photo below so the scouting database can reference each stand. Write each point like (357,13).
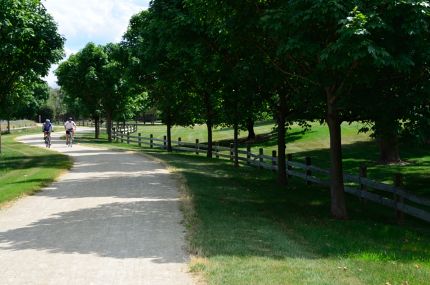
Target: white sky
(98,21)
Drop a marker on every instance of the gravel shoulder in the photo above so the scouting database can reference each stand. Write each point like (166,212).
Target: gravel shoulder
(113,219)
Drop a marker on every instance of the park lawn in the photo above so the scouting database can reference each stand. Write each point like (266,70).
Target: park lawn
(25,170)
(190,134)
(243,228)
(358,149)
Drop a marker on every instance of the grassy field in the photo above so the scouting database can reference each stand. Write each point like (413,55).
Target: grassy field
(243,228)
(25,169)
(358,149)
(17,124)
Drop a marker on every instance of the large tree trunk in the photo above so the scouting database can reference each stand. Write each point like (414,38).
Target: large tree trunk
(250,128)
(97,126)
(109,126)
(386,137)
(169,137)
(209,123)
(281,114)
(338,207)
(388,150)
(235,145)
(210,138)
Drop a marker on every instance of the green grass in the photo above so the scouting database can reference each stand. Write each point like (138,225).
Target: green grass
(25,169)
(358,149)
(245,229)
(190,134)
(17,124)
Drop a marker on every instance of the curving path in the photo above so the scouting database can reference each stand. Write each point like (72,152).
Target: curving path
(113,219)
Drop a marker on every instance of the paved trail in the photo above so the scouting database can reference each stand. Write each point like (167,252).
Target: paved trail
(113,219)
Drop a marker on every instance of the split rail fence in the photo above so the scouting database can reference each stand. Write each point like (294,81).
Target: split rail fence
(392,196)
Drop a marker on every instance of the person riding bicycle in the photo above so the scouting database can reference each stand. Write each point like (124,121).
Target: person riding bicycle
(70,127)
(47,128)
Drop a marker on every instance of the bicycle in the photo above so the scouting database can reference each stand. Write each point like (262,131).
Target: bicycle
(69,138)
(47,139)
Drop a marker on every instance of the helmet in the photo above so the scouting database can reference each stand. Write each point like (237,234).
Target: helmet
(70,118)
(48,121)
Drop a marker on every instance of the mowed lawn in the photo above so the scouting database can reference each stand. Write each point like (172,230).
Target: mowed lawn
(243,228)
(25,169)
(358,148)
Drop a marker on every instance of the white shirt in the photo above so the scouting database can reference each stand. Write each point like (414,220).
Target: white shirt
(69,125)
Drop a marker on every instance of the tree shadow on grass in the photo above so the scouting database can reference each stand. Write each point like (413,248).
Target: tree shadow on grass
(415,172)
(33,161)
(247,214)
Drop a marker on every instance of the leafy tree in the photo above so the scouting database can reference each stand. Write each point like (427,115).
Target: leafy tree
(79,77)
(155,70)
(339,46)
(29,43)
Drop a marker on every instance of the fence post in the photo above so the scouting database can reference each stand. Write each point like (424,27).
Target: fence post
(139,139)
(362,174)
(128,138)
(113,133)
(179,142)
(164,142)
(231,152)
(398,183)
(308,171)
(122,137)
(197,146)
(151,141)
(248,154)
(217,150)
(261,159)
(289,167)
(274,160)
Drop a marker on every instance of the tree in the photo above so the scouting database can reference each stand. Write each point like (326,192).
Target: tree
(338,46)
(79,77)
(153,68)
(29,43)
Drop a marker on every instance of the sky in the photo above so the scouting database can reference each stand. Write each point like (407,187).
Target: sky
(83,21)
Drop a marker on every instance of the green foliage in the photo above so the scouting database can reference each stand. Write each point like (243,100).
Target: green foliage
(29,43)
(26,100)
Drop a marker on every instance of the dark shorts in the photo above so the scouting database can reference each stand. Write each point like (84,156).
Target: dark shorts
(69,131)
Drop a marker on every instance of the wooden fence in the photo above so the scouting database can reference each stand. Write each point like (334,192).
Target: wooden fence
(393,196)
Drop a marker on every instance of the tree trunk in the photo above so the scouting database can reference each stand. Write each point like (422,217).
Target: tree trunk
(250,128)
(282,168)
(97,126)
(109,126)
(386,137)
(388,150)
(338,207)
(209,122)
(8,126)
(209,127)
(169,137)
(235,144)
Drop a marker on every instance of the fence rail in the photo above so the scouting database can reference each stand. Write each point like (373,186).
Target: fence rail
(359,185)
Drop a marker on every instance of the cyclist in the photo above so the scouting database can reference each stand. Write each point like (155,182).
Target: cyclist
(70,127)
(47,129)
